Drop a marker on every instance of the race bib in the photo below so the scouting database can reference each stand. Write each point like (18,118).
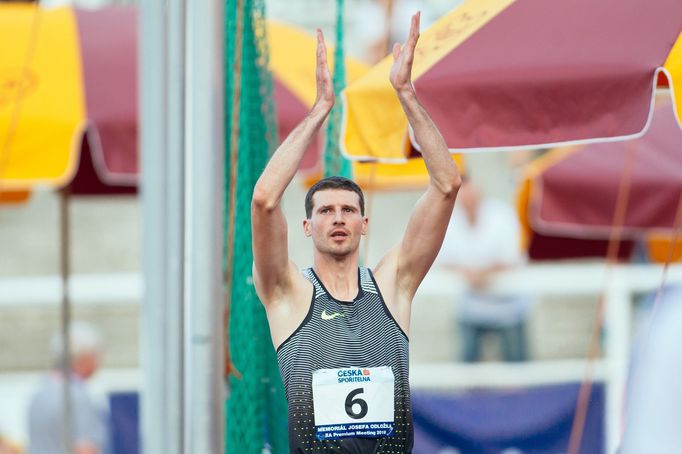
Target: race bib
(353,402)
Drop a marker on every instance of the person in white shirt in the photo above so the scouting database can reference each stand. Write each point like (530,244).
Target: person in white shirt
(483,239)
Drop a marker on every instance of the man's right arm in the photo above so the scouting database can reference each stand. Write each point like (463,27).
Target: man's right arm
(272,269)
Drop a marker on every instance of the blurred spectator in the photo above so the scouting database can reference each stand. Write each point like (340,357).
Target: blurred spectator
(46,411)
(483,238)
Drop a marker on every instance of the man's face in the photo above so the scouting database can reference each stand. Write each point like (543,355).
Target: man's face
(336,224)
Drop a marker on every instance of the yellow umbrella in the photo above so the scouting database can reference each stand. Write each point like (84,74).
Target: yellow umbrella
(42,91)
(66,71)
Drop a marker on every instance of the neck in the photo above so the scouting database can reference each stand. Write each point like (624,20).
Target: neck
(339,275)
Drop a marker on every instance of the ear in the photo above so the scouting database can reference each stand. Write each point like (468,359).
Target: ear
(365,221)
(307,227)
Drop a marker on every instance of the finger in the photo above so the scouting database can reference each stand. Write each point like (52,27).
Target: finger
(414,29)
(318,48)
(396,51)
(321,48)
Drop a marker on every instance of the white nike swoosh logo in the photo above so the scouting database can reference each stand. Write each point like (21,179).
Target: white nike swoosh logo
(331,316)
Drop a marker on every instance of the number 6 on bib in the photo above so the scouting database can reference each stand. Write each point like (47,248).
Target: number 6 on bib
(353,402)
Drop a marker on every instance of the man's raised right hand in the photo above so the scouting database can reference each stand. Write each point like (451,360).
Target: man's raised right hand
(324,100)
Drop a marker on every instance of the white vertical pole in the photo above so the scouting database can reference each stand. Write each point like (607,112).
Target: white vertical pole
(161,63)
(175,229)
(205,161)
(617,324)
(181,110)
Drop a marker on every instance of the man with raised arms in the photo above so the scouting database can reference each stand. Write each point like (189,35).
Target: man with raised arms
(341,330)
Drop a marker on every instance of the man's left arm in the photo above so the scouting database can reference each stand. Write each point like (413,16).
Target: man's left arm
(429,220)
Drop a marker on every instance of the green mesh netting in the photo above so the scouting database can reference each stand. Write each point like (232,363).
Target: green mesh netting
(256,410)
(334,162)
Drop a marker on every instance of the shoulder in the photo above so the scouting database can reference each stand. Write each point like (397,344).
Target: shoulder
(396,295)
(297,281)
(387,276)
(299,284)
(287,310)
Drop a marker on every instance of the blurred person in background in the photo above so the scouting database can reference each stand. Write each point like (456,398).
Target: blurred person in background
(483,239)
(89,419)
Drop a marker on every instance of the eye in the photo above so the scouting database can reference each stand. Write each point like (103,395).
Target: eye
(348,210)
(324,210)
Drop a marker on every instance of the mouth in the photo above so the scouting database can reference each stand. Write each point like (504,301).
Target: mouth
(339,235)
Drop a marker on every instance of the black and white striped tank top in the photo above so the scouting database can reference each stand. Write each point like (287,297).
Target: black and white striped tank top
(338,334)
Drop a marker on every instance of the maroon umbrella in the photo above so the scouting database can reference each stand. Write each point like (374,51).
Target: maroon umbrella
(109,162)
(557,62)
(569,198)
(524,73)
(109,51)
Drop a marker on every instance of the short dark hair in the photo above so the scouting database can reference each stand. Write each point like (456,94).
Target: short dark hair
(333,183)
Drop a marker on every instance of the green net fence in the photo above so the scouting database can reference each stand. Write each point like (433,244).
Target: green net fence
(256,411)
(334,162)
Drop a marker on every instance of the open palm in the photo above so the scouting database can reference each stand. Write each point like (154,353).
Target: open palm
(325,87)
(403,56)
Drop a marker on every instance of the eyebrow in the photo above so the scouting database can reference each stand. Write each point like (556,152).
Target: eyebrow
(352,207)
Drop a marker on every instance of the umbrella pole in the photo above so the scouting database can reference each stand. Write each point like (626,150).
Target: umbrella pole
(64,269)
(585,391)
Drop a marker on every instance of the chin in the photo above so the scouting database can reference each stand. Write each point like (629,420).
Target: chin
(336,250)
(343,251)
(340,254)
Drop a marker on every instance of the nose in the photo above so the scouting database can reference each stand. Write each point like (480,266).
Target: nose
(338,217)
